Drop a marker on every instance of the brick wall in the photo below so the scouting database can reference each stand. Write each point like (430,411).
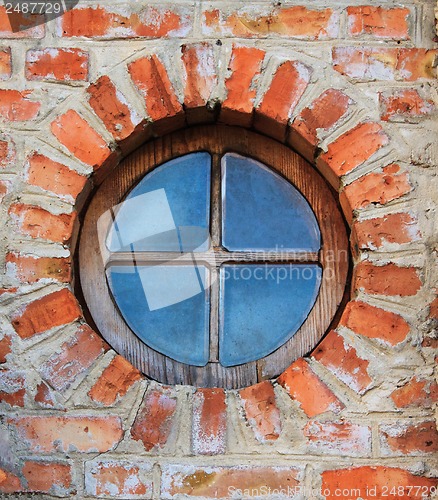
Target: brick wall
(350,87)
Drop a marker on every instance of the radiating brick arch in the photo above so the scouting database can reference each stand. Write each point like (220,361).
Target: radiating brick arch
(284,99)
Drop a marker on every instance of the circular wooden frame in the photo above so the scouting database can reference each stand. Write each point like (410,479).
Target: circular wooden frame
(217,140)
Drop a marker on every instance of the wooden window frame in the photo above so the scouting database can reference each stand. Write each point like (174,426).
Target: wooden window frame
(217,140)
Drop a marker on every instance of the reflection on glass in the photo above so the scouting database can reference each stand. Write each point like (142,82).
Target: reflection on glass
(261,307)
(262,211)
(168,210)
(166,306)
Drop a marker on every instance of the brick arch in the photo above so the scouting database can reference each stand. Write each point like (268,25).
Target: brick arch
(284,99)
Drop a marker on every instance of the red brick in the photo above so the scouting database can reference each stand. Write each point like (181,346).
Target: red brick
(14,392)
(39,223)
(154,420)
(287,86)
(368,64)
(3,190)
(224,482)
(380,187)
(409,439)
(350,150)
(9,483)
(24,25)
(119,479)
(292,22)
(433,307)
(110,22)
(76,356)
(64,434)
(5,348)
(374,482)
(29,269)
(150,77)
(62,65)
(338,438)
(5,64)
(342,360)
(55,309)
(245,66)
(379,22)
(307,389)
(113,109)
(80,139)
(322,114)
(404,106)
(414,64)
(200,76)
(392,228)
(209,422)
(416,393)
(16,106)
(44,396)
(7,154)
(374,323)
(261,411)
(54,177)
(386,280)
(47,477)
(114,382)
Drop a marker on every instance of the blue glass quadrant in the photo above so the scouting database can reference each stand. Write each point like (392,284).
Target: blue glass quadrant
(167,307)
(262,211)
(168,210)
(263,306)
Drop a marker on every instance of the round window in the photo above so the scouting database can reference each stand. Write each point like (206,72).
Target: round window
(213,257)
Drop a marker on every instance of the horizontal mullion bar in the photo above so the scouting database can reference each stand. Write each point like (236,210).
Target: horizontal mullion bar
(213,258)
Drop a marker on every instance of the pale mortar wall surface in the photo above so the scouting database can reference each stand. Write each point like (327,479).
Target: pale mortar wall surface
(349,437)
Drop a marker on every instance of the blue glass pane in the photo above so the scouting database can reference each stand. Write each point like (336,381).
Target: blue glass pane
(168,210)
(262,306)
(167,307)
(262,211)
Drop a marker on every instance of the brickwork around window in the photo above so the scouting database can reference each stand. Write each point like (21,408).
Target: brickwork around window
(349,87)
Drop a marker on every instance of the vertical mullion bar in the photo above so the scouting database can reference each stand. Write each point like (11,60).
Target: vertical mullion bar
(215,228)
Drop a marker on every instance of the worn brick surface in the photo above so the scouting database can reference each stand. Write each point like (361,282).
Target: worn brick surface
(119,479)
(223,482)
(55,177)
(76,134)
(75,356)
(351,149)
(245,66)
(392,228)
(16,106)
(5,64)
(154,420)
(343,361)
(55,309)
(109,22)
(57,64)
(289,21)
(261,411)
(288,85)
(388,279)
(114,382)
(29,269)
(308,390)
(374,322)
(50,434)
(378,21)
(37,222)
(383,479)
